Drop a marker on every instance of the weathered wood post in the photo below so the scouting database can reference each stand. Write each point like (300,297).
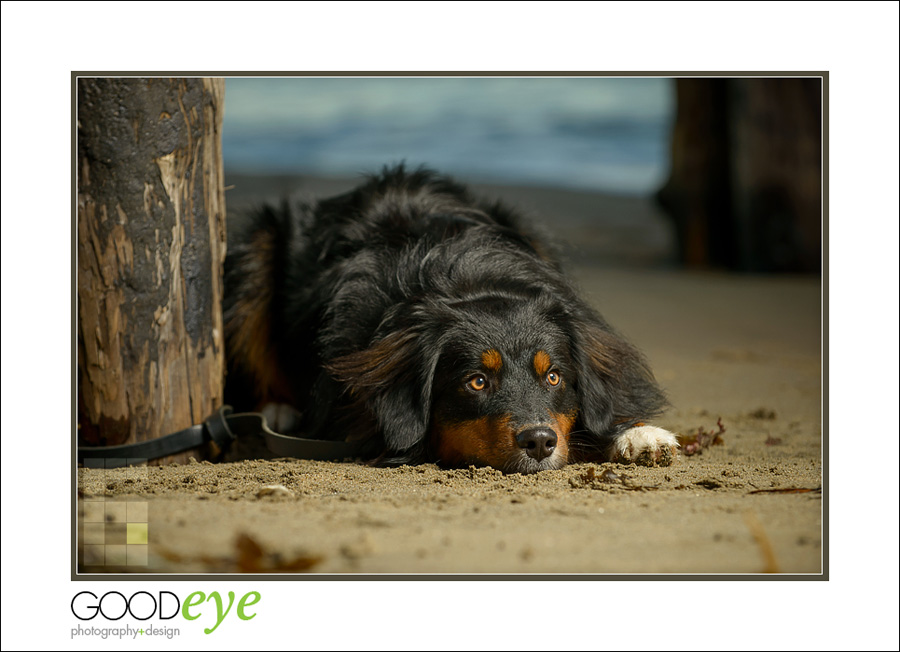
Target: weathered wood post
(151,245)
(745,189)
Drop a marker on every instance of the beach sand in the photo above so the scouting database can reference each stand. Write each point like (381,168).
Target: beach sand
(742,351)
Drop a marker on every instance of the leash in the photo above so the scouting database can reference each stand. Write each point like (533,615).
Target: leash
(223,428)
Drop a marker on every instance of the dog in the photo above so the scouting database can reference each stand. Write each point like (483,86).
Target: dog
(429,326)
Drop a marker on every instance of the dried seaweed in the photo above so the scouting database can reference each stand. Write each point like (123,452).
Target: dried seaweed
(249,557)
(765,544)
(789,490)
(696,443)
(252,558)
(606,479)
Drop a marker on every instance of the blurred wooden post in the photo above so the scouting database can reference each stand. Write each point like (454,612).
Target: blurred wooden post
(745,184)
(151,245)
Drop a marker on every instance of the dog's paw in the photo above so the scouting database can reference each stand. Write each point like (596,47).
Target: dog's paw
(645,445)
(282,418)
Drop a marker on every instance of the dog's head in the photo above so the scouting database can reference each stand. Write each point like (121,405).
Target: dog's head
(519,382)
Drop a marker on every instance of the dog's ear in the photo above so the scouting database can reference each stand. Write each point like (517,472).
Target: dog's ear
(614,383)
(393,379)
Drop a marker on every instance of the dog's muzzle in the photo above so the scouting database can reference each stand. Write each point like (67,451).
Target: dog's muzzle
(537,443)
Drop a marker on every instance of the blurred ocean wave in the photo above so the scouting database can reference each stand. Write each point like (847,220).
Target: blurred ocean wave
(599,134)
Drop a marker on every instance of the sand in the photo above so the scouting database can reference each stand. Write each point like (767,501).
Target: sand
(742,351)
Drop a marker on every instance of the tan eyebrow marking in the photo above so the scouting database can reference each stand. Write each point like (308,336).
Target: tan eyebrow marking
(492,360)
(541,363)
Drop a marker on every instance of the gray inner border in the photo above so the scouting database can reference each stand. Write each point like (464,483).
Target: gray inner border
(75,576)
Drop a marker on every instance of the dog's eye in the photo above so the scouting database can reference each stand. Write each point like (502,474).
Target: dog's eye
(477,383)
(553,378)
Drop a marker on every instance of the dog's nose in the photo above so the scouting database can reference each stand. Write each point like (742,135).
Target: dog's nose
(537,442)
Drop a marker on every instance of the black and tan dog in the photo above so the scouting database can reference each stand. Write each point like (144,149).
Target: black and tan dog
(430,327)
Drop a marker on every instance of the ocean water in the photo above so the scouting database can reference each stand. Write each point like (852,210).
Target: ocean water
(603,134)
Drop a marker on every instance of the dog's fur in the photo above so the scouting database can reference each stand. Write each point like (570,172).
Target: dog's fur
(429,326)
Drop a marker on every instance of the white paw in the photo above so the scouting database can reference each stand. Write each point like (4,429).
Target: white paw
(282,418)
(646,445)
